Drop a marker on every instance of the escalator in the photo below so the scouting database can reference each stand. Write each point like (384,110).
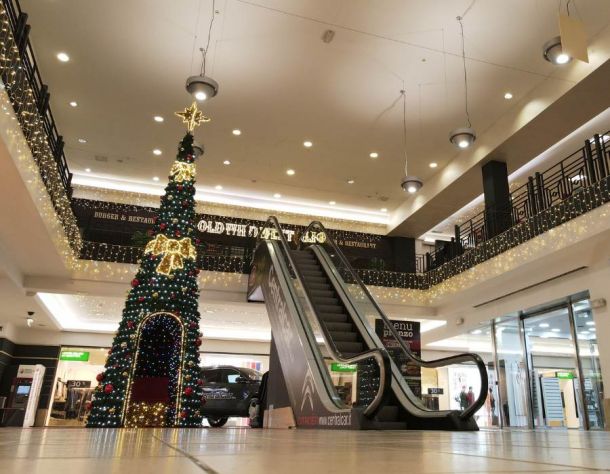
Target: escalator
(320,314)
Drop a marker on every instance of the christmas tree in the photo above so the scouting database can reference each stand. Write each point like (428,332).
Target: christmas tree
(151,376)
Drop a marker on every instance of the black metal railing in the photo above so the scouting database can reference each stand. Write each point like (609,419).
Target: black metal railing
(27,70)
(572,175)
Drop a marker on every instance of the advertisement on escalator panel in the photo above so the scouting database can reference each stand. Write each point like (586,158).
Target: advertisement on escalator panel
(409,331)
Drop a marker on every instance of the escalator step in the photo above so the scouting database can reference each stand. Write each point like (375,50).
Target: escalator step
(349,347)
(333,317)
(330,308)
(349,336)
(312,273)
(338,327)
(316,293)
(325,301)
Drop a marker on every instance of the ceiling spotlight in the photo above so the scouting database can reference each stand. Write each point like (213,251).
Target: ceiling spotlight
(226,162)
(198,150)
(462,137)
(433,165)
(553,52)
(30,320)
(508,96)
(411,184)
(158,118)
(556,330)
(63,57)
(290,172)
(332,203)
(383,209)
(307,144)
(73,104)
(201,87)
(157,152)
(218,187)
(374,154)
(88,170)
(82,140)
(236,132)
(350,181)
(156,178)
(277,195)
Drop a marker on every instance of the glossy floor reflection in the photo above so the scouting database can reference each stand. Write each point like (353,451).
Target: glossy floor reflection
(242,450)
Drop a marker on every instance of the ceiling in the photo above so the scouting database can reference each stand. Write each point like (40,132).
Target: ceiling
(280,84)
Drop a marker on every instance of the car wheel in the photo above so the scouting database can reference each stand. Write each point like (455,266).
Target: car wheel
(217,421)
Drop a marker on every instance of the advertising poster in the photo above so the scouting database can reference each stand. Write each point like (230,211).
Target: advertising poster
(409,331)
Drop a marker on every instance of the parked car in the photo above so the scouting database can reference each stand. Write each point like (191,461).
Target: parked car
(227,391)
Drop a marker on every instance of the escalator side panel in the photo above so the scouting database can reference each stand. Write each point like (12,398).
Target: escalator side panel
(312,405)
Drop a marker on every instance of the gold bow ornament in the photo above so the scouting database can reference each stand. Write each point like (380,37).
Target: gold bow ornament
(174,252)
(182,171)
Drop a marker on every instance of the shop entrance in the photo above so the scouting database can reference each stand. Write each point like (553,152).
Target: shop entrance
(552,360)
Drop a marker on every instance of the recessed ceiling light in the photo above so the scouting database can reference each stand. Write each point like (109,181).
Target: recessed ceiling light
(157,152)
(158,118)
(476,331)
(433,165)
(82,140)
(556,330)
(218,187)
(374,154)
(350,181)
(73,104)
(590,323)
(543,325)
(156,178)
(63,57)
(226,162)
(332,203)
(290,172)
(508,96)
(88,170)
(307,144)
(383,209)
(236,131)
(277,195)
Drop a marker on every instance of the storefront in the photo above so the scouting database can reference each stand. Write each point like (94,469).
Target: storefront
(78,367)
(543,369)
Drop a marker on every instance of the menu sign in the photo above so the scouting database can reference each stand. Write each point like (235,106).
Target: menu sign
(409,331)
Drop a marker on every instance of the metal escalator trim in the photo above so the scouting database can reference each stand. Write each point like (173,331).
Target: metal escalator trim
(380,355)
(480,401)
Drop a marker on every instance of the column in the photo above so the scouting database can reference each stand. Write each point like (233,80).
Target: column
(497,198)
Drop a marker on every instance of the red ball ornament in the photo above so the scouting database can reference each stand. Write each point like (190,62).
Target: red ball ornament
(192,325)
(198,341)
(199,381)
(177,233)
(108,388)
(99,377)
(135,282)
(180,187)
(88,406)
(183,414)
(130,324)
(162,226)
(188,391)
(141,299)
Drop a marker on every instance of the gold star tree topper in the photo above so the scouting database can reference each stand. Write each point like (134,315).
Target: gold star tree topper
(192,117)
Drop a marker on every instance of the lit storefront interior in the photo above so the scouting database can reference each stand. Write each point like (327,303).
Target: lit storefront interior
(543,368)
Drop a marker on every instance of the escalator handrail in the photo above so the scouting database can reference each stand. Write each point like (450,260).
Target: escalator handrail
(464,357)
(380,355)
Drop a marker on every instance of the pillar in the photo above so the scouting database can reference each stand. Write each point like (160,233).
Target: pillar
(497,198)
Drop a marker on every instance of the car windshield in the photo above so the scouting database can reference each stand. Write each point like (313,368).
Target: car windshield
(251,374)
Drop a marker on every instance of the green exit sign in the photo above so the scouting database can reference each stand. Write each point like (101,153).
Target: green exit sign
(339,367)
(564,375)
(78,356)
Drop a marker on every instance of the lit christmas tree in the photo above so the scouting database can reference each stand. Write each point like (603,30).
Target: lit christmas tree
(151,375)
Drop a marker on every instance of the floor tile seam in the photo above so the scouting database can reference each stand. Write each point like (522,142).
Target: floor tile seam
(200,464)
(570,466)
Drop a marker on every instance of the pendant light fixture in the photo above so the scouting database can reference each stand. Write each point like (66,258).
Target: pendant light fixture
(463,137)
(410,184)
(202,87)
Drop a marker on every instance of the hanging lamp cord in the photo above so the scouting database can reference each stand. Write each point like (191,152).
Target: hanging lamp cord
(404,126)
(204,51)
(459,19)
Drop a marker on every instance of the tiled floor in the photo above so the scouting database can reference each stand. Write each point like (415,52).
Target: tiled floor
(246,451)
